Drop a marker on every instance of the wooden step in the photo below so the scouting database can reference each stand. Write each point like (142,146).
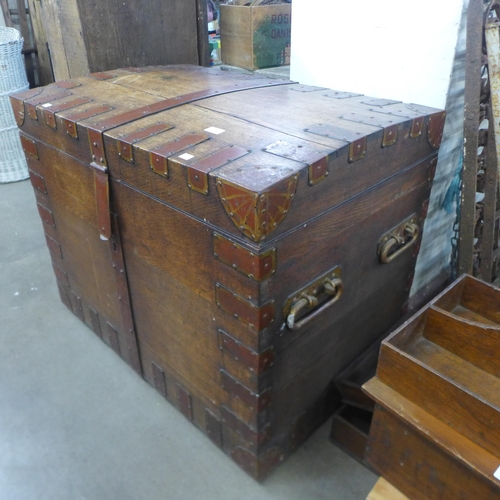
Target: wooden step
(475,342)
(446,359)
(455,391)
(471,298)
(423,457)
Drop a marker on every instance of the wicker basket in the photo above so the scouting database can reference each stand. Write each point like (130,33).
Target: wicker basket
(12,79)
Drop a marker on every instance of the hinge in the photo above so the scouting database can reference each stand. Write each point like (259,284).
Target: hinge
(97,147)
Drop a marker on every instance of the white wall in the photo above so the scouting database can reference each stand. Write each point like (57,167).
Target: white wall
(384,48)
(2,20)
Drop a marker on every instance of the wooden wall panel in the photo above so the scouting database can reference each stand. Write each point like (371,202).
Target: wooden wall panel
(121,34)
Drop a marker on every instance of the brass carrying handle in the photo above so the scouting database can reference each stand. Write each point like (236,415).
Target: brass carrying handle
(397,244)
(333,287)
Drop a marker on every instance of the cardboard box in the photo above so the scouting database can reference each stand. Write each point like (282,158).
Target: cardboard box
(255,37)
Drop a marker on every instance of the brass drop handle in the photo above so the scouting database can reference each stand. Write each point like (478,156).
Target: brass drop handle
(332,287)
(397,244)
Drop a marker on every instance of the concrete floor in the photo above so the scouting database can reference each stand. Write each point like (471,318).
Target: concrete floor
(77,423)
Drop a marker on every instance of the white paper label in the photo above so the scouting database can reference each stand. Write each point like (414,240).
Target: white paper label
(497,474)
(186,156)
(47,105)
(214,130)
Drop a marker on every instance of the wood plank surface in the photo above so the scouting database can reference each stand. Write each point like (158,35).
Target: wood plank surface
(23,24)
(164,32)
(475,342)
(383,490)
(202,22)
(463,396)
(471,125)
(44,64)
(423,457)
(55,39)
(4,4)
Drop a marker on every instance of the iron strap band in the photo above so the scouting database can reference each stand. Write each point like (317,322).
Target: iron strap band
(173,102)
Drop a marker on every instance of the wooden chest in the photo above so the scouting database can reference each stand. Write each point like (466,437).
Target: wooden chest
(237,240)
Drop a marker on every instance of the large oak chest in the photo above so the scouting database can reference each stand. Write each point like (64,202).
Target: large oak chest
(237,240)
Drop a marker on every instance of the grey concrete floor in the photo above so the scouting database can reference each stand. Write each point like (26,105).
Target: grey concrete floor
(77,423)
